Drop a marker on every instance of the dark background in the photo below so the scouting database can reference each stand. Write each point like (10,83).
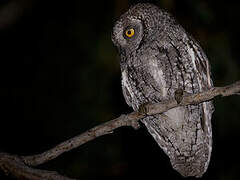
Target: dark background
(59,76)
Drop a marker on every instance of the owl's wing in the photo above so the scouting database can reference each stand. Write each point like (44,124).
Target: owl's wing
(187,64)
(190,68)
(202,65)
(184,133)
(202,69)
(202,75)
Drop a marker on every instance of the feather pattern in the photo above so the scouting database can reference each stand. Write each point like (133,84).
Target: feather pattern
(167,59)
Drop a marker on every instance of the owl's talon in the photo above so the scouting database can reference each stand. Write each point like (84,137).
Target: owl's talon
(178,95)
(143,108)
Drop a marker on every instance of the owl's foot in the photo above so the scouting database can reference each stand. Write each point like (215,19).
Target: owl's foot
(143,109)
(178,95)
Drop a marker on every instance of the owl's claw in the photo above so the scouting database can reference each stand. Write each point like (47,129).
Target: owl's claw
(178,95)
(143,109)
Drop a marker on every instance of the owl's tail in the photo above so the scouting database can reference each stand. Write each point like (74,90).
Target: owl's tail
(178,132)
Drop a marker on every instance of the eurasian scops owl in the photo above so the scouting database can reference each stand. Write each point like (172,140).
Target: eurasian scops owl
(157,58)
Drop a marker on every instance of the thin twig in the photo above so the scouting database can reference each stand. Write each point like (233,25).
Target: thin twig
(102,129)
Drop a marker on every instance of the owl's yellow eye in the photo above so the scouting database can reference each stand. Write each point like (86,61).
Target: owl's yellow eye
(129,32)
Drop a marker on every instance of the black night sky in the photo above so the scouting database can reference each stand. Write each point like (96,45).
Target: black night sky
(60,76)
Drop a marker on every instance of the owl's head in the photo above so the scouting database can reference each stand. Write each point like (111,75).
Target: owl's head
(138,26)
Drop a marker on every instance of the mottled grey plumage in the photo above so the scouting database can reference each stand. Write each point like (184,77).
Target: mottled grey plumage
(158,60)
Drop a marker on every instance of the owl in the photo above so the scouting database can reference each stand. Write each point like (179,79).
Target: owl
(157,59)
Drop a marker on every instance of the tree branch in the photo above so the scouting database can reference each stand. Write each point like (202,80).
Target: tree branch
(14,166)
(20,166)
(102,129)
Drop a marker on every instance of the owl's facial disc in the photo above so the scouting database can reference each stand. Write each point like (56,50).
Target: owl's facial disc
(127,35)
